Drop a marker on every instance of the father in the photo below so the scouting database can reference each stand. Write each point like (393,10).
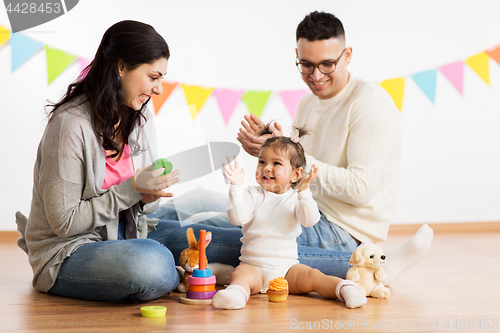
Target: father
(355,139)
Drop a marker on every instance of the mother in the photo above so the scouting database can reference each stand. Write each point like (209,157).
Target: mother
(86,236)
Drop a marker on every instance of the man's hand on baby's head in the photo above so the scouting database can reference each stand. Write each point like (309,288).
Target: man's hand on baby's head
(249,136)
(276,129)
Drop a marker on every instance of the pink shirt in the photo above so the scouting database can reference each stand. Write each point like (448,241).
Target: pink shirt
(116,172)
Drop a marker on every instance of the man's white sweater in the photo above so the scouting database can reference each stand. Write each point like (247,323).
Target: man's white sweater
(355,142)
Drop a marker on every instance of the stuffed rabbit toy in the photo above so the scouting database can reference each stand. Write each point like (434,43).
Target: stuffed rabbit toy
(190,257)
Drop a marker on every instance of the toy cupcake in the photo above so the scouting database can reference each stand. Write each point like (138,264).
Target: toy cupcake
(278,290)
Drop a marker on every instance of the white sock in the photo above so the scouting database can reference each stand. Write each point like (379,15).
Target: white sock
(403,256)
(348,292)
(233,297)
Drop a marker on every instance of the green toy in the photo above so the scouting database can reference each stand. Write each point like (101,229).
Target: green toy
(163,163)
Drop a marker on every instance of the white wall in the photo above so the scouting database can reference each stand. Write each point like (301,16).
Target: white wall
(450,150)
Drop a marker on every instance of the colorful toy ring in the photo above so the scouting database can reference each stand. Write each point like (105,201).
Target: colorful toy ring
(163,163)
(153,311)
(200,295)
(202,281)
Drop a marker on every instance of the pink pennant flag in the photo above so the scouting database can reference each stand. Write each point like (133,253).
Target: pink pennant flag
(83,63)
(227,99)
(454,72)
(291,98)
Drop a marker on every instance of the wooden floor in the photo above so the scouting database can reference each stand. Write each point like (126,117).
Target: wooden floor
(455,288)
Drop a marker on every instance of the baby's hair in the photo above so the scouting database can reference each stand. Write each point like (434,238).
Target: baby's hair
(286,146)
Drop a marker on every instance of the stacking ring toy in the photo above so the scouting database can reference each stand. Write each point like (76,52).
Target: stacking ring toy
(201,283)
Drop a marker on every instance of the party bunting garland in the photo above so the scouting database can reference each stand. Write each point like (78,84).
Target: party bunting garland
(256,101)
(427,82)
(23,48)
(227,99)
(57,62)
(4,35)
(480,64)
(495,54)
(197,96)
(83,64)
(291,98)
(454,72)
(158,100)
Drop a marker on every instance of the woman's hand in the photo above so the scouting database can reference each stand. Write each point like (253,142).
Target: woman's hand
(249,136)
(149,198)
(306,181)
(234,174)
(150,183)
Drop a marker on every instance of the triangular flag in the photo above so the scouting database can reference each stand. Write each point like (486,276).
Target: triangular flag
(159,100)
(23,48)
(291,98)
(57,62)
(395,88)
(193,111)
(427,82)
(494,53)
(227,100)
(83,64)
(454,72)
(4,35)
(196,95)
(480,63)
(256,101)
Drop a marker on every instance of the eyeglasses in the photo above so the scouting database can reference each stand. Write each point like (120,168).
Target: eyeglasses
(324,67)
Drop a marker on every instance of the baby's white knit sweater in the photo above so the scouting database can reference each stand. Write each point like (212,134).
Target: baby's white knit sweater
(356,144)
(271,223)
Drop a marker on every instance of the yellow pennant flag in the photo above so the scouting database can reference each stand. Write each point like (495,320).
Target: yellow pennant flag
(197,96)
(480,64)
(395,88)
(4,35)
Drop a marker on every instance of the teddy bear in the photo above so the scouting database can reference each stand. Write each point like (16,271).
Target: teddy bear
(190,257)
(367,272)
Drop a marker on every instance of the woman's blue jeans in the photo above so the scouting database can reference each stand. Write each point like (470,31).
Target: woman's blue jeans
(134,269)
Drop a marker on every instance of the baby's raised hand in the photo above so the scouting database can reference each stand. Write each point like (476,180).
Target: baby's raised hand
(306,181)
(233,172)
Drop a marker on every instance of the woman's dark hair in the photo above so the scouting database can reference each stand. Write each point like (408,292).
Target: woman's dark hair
(319,26)
(288,147)
(132,42)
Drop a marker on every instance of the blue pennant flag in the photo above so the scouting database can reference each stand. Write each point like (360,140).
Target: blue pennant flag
(23,48)
(427,82)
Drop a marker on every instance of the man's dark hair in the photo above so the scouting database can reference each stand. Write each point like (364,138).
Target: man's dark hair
(319,26)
